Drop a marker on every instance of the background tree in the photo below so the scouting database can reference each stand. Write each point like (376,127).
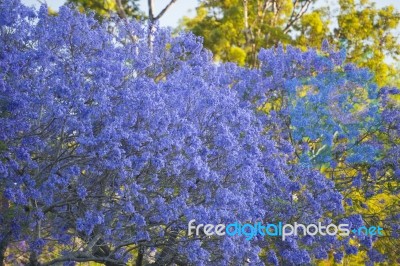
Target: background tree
(124,8)
(103,8)
(370,36)
(235,30)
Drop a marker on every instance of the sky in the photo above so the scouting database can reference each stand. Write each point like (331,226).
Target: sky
(178,10)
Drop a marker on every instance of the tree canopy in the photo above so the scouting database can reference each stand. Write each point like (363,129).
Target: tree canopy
(104,8)
(111,142)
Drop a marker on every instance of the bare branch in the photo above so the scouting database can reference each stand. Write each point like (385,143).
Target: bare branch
(295,16)
(151,10)
(165,9)
(261,15)
(120,9)
(246,19)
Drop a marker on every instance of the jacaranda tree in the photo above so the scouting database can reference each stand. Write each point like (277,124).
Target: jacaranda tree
(110,144)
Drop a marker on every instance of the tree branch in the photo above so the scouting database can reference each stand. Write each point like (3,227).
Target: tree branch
(151,10)
(82,257)
(164,10)
(295,16)
(120,9)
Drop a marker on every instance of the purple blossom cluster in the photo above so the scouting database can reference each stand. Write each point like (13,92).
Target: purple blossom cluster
(109,145)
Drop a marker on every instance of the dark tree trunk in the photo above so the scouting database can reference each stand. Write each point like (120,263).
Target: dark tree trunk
(167,255)
(139,259)
(103,251)
(7,236)
(33,260)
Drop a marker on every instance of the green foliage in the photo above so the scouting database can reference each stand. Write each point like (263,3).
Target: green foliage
(367,32)
(248,25)
(104,7)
